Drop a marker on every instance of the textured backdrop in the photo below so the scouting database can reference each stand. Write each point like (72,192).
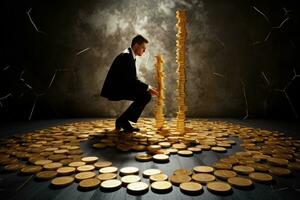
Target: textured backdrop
(241,56)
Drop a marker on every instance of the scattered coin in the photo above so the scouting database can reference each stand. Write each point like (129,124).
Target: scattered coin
(107,176)
(45,175)
(191,187)
(129,171)
(149,172)
(84,175)
(260,177)
(224,174)
(203,169)
(203,178)
(240,182)
(62,181)
(161,186)
(158,177)
(89,183)
(218,187)
(110,169)
(130,179)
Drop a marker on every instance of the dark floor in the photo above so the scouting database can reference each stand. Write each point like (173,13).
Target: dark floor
(16,186)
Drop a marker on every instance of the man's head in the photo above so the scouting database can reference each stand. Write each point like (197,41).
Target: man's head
(139,45)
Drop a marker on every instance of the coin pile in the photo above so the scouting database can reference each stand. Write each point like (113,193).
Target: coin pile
(180,60)
(159,109)
(54,154)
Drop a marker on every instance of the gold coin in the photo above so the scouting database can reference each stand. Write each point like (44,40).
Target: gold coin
(278,162)
(14,166)
(85,168)
(177,179)
(195,149)
(52,166)
(161,158)
(164,144)
(84,175)
(218,187)
(42,162)
(219,149)
(260,167)
(294,166)
(224,174)
(137,187)
(279,171)
(149,172)
(107,176)
(185,153)
(76,164)
(110,169)
(221,165)
(190,187)
(90,159)
(203,169)
(260,177)
(161,186)
(183,172)
(89,183)
(129,171)
(172,151)
(46,175)
(130,179)
(158,177)
(203,178)
(62,181)
(111,184)
(65,170)
(242,169)
(101,164)
(240,182)
(179,146)
(143,157)
(61,151)
(31,169)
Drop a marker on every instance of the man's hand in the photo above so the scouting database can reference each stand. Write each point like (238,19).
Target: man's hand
(153,91)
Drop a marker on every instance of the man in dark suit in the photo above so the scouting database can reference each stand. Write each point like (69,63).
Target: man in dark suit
(122,83)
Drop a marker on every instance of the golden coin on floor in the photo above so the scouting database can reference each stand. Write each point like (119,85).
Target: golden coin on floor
(177,179)
(183,172)
(190,187)
(294,166)
(66,170)
(89,183)
(31,169)
(203,169)
(224,174)
(90,159)
(85,168)
(158,177)
(110,169)
(42,162)
(195,149)
(111,184)
(278,162)
(107,176)
(185,153)
(62,181)
(243,169)
(220,165)
(129,171)
(45,175)
(84,175)
(203,178)
(149,172)
(165,144)
(260,167)
(52,166)
(172,151)
(240,182)
(137,187)
(143,157)
(14,166)
(219,149)
(130,179)
(161,186)
(280,171)
(261,177)
(101,164)
(218,187)
(76,164)
(161,158)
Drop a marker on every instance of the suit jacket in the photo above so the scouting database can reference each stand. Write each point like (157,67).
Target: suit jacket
(121,81)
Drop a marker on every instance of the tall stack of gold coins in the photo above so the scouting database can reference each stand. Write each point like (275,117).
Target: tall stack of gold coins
(159,110)
(180,59)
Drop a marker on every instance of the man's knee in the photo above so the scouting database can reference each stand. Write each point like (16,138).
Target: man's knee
(145,97)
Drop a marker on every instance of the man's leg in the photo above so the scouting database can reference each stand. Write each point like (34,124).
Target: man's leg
(136,108)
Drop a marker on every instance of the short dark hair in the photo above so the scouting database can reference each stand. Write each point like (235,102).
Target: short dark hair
(139,39)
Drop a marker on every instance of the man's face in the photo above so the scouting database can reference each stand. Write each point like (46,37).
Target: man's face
(140,49)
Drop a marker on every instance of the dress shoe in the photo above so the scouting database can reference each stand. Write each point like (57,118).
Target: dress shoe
(125,125)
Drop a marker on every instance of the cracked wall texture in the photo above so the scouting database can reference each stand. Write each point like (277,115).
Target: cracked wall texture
(242,58)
